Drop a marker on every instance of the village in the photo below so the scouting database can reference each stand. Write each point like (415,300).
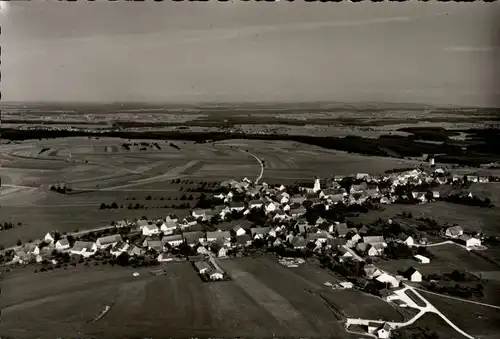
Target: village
(294,222)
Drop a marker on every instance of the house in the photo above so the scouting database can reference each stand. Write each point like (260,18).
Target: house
(216,275)
(435,195)
(454,231)
(108,241)
(468,241)
(213,236)
(296,212)
(341,229)
(134,251)
(165,257)
(259,232)
(406,239)
(168,227)
(199,213)
(360,176)
(363,230)
(320,237)
(472,178)
(238,230)
(420,196)
(298,242)
(153,244)
(483,180)
(150,230)
(421,259)
(353,240)
(271,206)
(387,279)
(171,218)
(375,250)
(237,206)
(243,240)
(373,240)
(202,267)
(334,243)
(218,248)
(413,275)
(277,242)
(119,248)
(21,257)
(371,271)
(193,238)
(281,215)
(173,240)
(84,248)
(255,204)
(336,198)
(344,254)
(303,226)
(62,244)
(358,188)
(297,199)
(49,238)
(188,222)
(384,331)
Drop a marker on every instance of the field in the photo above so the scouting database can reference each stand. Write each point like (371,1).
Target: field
(102,171)
(275,282)
(448,257)
(470,218)
(480,321)
(433,323)
(257,303)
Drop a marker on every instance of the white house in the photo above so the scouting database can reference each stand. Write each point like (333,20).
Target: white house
(384,332)
(421,259)
(49,238)
(413,275)
(216,275)
(168,227)
(469,241)
(270,207)
(108,241)
(239,230)
(259,232)
(407,240)
(149,230)
(62,244)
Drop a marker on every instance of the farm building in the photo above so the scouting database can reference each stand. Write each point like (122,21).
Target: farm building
(237,206)
(454,231)
(193,238)
(165,257)
(421,259)
(468,241)
(108,241)
(84,248)
(384,332)
(153,243)
(202,267)
(212,236)
(296,212)
(388,279)
(62,244)
(413,275)
(374,240)
(199,213)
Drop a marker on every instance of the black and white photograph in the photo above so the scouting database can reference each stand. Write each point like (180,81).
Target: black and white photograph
(250,169)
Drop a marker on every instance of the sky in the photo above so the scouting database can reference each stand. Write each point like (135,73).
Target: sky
(435,53)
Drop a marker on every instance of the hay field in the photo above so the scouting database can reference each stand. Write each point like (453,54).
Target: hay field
(179,304)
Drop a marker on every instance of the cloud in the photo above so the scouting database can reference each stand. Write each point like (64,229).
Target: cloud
(472,49)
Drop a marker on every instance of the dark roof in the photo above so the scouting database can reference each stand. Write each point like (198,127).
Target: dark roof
(242,239)
(260,230)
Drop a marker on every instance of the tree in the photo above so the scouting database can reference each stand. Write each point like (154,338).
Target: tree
(19,243)
(114,205)
(123,259)
(103,206)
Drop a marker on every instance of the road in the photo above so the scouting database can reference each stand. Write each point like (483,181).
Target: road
(261,166)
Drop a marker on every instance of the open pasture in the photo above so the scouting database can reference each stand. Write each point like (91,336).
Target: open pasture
(470,218)
(178,304)
(307,293)
(478,321)
(448,257)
